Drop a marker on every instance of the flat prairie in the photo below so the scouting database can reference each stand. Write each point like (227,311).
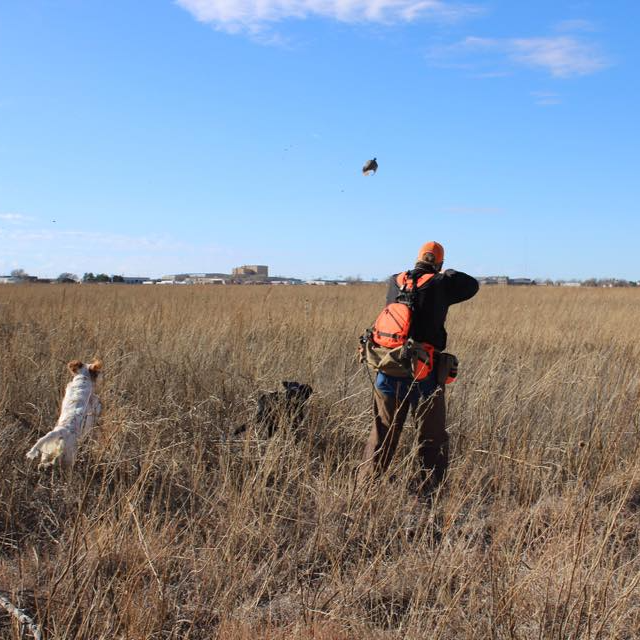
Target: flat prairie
(168,526)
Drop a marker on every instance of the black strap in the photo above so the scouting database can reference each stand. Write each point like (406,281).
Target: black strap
(414,290)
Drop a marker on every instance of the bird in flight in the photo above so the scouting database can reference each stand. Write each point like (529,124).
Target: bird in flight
(370,167)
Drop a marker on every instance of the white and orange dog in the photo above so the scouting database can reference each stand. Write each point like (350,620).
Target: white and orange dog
(80,411)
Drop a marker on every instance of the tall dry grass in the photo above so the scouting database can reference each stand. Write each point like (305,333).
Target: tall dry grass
(168,527)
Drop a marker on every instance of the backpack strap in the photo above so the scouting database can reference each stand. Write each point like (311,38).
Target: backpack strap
(409,280)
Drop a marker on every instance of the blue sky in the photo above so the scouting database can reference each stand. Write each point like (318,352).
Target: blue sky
(157,136)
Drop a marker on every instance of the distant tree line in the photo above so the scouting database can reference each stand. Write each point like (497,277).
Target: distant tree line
(65,277)
(21,274)
(608,282)
(101,277)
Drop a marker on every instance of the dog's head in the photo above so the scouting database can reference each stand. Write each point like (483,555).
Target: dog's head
(297,391)
(92,370)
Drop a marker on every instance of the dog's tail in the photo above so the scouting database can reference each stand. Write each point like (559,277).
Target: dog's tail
(49,447)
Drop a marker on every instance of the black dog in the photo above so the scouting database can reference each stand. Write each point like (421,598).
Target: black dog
(286,407)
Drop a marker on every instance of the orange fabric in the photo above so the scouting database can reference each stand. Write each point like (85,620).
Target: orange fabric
(432,247)
(404,280)
(391,328)
(422,368)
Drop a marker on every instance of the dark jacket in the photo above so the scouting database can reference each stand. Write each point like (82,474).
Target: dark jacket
(444,289)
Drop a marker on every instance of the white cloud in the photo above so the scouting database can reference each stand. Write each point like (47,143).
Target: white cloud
(562,56)
(254,15)
(69,239)
(14,218)
(50,251)
(546,98)
(492,74)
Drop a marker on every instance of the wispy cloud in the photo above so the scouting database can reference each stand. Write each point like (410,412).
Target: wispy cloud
(14,218)
(562,56)
(70,239)
(575,25)
(492,74)
(255,15)
(50,251)
(546,98)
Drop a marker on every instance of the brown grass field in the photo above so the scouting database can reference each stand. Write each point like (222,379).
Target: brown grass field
(168,527)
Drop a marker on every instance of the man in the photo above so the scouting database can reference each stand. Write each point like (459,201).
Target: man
(393,396)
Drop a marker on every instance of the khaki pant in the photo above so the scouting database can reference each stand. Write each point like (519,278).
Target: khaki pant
(390,412)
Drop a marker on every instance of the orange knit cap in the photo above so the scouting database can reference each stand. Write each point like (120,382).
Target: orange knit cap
(432,247)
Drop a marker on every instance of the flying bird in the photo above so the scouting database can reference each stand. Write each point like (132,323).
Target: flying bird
(370,167)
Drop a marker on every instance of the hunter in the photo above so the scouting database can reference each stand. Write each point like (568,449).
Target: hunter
(434,291)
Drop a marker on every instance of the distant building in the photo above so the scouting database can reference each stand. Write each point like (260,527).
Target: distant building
(207,278)
(17,279)
(493,280)
(196,278)
(573,283)
(135,279)
(178,277)
(251,275)
(284,280)
(251,270)
(504,280)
